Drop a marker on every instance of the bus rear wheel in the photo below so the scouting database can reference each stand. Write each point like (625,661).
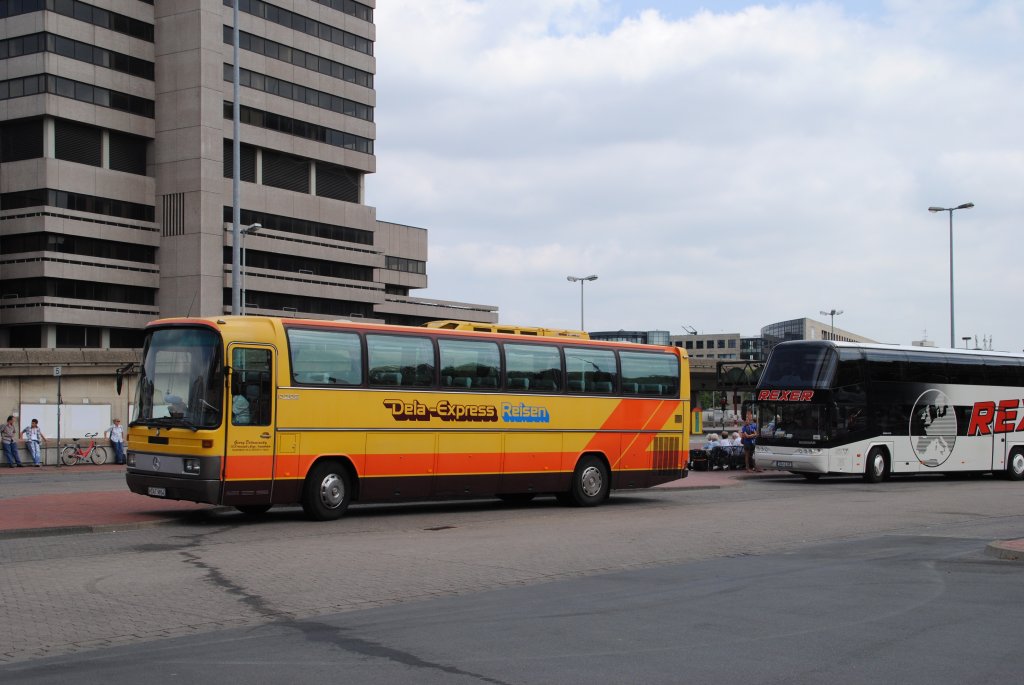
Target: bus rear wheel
(591,483)
(327,491)
(1015,465)
(877,468)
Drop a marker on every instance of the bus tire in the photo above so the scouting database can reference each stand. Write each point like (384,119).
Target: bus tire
(877,467)
(591,482)
(327,491)
(1015,464)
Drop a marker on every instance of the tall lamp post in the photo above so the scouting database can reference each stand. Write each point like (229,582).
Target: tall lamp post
(251,228)
(833,313)
(581,280)
(966,205)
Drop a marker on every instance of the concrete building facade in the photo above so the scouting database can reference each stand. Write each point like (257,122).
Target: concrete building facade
(116,160)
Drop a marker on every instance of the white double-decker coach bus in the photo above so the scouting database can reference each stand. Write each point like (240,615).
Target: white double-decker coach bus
(848,408)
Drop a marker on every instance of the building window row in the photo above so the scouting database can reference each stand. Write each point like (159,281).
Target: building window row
(84,144)
(76,336)
(297,93)
(90,220)
(291,172)
(77,50)
(77,290)
(300,129)
(82,11)
(288,224)
(78,245)
(411,266)
(47,197)
(290,303)
(311,27)
(350,7)
(299,58)
(294,264)
(77,90)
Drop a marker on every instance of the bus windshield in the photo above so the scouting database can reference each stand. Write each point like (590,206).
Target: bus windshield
(788,422)
(182,379)
(799,366)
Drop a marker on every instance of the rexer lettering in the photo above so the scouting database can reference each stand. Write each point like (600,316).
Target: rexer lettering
(785,395)
(995,417)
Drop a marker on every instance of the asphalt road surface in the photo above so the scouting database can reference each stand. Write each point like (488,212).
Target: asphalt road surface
(772,581)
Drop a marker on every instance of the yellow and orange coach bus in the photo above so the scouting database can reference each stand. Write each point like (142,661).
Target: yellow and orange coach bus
(253,412)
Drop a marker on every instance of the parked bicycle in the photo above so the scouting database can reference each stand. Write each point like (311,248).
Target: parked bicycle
(74,454)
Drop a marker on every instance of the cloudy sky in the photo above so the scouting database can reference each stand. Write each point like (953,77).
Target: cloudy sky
(719,165)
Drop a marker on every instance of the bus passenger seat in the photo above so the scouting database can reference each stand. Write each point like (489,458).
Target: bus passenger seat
(518,383)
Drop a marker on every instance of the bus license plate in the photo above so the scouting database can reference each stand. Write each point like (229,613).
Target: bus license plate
(157,492)
(779,464)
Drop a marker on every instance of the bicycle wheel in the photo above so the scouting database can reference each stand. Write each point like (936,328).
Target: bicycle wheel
(98,455)
(69,456)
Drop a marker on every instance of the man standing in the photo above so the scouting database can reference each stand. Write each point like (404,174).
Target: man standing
(749,440)
(9,437)
(116,433)
(32,437)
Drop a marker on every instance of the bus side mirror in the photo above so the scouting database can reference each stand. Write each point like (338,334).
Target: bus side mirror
(119,380)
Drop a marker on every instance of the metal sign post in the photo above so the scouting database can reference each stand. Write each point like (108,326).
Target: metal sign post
(57,374)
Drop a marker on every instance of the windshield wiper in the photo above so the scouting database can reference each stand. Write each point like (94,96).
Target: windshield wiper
(172,423)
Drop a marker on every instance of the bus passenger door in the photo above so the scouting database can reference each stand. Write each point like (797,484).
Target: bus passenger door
(249,458)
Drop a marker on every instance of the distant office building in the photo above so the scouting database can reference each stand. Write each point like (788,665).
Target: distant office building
(642,337)
(804,329)
(733,346)
(116,160)
(710,345)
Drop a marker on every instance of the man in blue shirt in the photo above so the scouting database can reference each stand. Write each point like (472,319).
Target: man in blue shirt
(749,439)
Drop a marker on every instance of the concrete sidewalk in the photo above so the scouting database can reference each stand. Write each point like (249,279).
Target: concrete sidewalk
(63,500)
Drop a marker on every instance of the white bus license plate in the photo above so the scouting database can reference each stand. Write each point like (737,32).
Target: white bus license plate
(157,492)
(779,464)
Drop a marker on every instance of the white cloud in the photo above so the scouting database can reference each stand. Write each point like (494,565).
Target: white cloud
(723,170)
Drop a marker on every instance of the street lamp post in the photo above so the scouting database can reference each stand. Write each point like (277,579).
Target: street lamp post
(581,280)
(966,205)
(251,228)
(832,313)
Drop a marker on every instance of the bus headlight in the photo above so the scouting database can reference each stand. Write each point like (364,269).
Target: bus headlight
(130,459)
(191,466)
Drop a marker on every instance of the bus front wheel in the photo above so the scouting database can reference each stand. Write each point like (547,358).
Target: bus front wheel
(591,483)
(1015,465)
(327,491)
(877,468)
